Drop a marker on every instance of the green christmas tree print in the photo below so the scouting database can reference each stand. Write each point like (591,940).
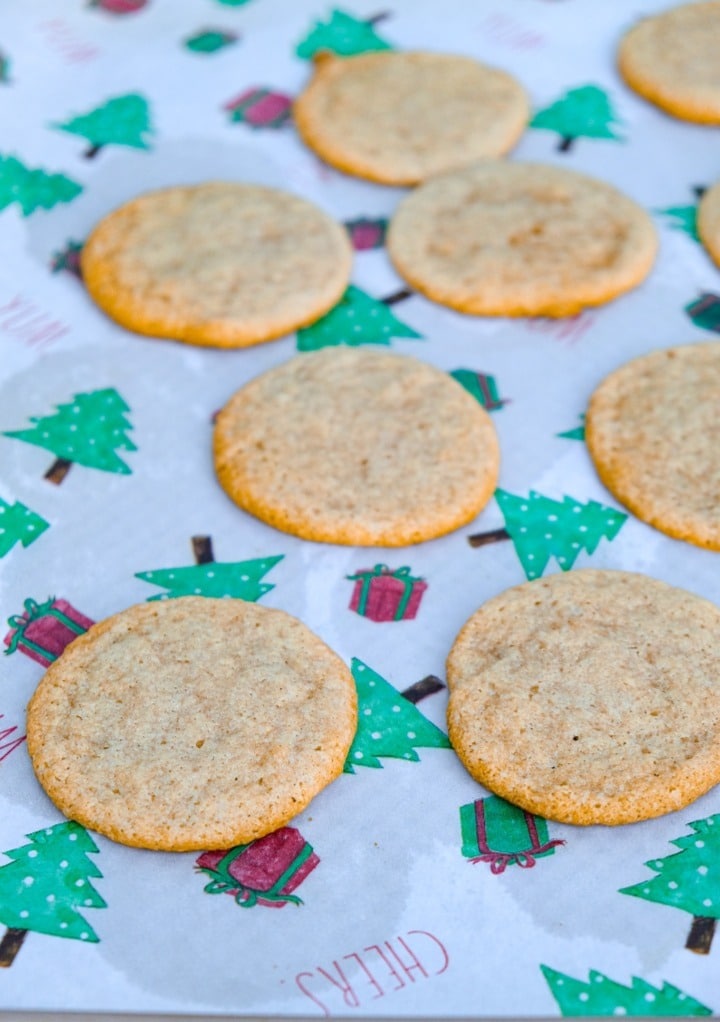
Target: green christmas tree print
(46,886)
(356,319)
(342,34)
(210,40)
(577,433)
(389,726)
(88,431)
(18,524)
(4,68)
(33,189)
(541,528)
(582,112)
(123,120)
(689,880)
(237,579)
(682,218)
(603,996)
(482,387)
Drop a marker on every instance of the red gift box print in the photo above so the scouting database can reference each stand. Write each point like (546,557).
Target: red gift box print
(382,594)
(263,872)
(43,630)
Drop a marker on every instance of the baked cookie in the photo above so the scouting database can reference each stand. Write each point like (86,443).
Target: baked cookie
(192,723)
(671,59)
(357,446)
(708,221)
(653,431)
(400,117)
(520,239)
(589,697)
(220,264)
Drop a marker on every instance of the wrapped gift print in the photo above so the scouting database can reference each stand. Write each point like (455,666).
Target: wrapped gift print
(501,835)
(263,872)
(705,312)
(260,107)
(383,594)
(43,630)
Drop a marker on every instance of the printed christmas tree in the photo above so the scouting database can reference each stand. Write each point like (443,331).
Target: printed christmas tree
(483,388)
(4,68)
(46,886)
(389,726)
(582,112)
(541,528)
(123,120)
(9,739)
(88,431)
(210,40)
(238,579)
(577,433)
(18,524)
(342,34)
(689,880)
(356,319)
(682,218)
(603,996)
(33,189)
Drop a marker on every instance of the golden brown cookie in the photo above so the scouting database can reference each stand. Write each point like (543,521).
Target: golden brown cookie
(589,697)
(653,432)
(671,59)
(221,264)
(191,723)
(357,446)
(520,239)
(708,221)
(399,118)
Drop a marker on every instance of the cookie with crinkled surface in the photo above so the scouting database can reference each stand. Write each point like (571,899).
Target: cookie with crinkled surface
(220,264)
(670,58)
(520,239)
(708,221)
(653,432)
(589,697)
(400,117)
(191,723)
(357,446)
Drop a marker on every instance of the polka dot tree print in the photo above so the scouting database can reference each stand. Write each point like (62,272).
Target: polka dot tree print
(18,524)
(541,528)
(356,319)
(689,880)
(46,886)
(388,724)
(88,431)
(603,996)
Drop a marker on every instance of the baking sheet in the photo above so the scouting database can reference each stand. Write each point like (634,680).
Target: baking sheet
(400,915)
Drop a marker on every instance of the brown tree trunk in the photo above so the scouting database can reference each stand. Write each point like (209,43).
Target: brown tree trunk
(374,19)
(427,686)
(483,538)
(58,470)
(701,934)
(92,152)
(397,296)
(202,549)
(565,144)
(10,945)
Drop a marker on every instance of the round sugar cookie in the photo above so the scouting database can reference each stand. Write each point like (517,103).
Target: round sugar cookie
(520,239)
(653,431)
(221,264)
(589,697)
(708,222)
(357,446)
(191,723)
(400,117)
(670,58)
